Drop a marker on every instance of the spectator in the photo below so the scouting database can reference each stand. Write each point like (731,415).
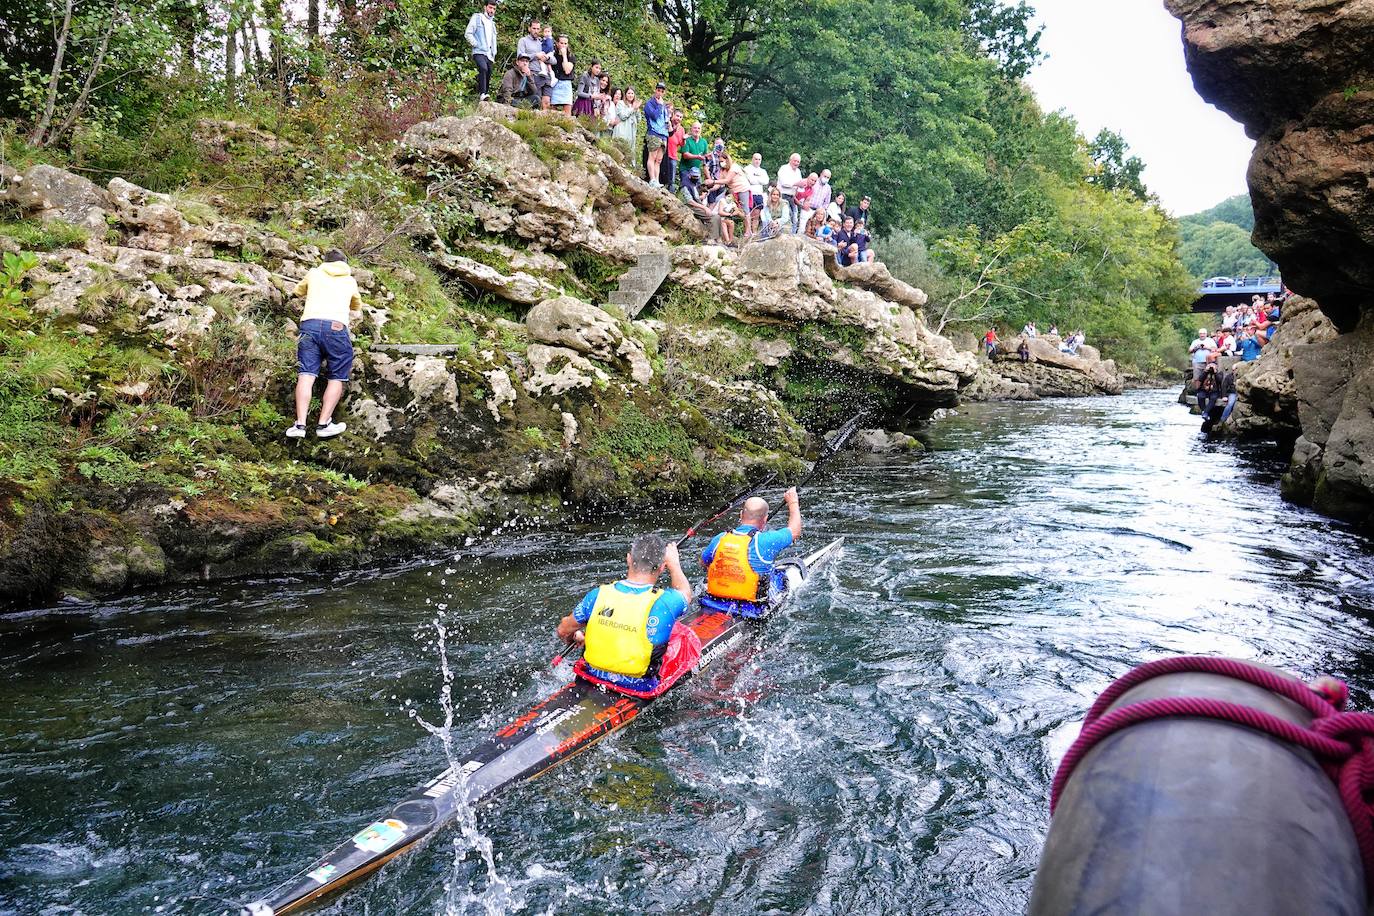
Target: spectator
(861,212)
(626,127)
(564,66)
(532,46)
(789,178)
(1054,329)
(991,343)
(1023,350)
(548,44)
(588,88)
(828,230)
(802,197)
(1071,345)
(481,35)
(717,217)
(603,104)
(814,224)
(693,161)
(1202,345)
(1248,346)
(848,255)
(733,180)
(1029,330)
(676,137)
(656,117)
(758,179)
(1219,401)
(865,242)
(821,193)
(775,215)
(836,209)
(330,294)
(518,86)
(843,239)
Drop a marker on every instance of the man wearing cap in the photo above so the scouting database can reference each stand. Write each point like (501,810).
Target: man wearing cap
(481,35)
(519,86)
(656,117)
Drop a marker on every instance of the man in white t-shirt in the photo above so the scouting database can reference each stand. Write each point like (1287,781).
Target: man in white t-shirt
(789,179)
(758,179)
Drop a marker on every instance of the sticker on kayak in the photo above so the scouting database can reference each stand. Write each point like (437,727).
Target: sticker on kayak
(381,836)
(322,874)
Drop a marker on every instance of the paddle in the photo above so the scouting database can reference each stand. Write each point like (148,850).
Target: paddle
(734,503)
(832,448)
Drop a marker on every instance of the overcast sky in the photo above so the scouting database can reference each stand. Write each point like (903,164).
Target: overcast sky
(1119,64)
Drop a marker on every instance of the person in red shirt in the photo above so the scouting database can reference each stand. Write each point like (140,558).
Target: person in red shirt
(990,341)
(676,137)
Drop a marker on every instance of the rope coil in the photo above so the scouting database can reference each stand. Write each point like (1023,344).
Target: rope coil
(1342,742)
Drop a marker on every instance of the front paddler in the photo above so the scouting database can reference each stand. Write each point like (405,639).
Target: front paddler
(739,563)
(626,626)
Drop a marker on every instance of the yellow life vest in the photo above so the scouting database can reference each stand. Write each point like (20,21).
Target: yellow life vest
(730,575)
(617,634)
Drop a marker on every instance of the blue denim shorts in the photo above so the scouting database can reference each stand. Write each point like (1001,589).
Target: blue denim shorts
(327,342)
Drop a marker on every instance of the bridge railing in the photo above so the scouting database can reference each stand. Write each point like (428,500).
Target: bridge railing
(1241,283)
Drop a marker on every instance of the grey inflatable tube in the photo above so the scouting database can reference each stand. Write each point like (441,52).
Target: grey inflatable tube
(1186,815)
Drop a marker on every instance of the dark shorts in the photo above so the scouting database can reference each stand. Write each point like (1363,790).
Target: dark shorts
(327,342)
(757,203)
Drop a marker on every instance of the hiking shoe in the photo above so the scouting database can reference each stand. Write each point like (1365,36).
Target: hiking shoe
(329,430)
(296,431)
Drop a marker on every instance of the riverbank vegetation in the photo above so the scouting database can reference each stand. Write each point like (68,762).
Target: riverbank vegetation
(1003,212)
(1216,242)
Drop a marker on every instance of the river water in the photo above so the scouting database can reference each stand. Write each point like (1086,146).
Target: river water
(885,746)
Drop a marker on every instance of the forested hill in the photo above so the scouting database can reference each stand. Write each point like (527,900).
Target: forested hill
(1216,242)
(1002,211)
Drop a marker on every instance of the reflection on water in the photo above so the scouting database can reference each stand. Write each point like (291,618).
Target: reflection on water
(885,745)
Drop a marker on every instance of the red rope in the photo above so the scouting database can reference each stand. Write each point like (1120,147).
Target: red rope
(1342,741)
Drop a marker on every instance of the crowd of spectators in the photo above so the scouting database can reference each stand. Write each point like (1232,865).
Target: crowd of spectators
(737,202)
(1244,332)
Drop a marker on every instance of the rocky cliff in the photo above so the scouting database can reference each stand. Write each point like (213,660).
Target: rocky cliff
(152,351)
(1299,76)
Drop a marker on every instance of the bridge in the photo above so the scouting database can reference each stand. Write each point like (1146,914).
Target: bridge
(1217,293)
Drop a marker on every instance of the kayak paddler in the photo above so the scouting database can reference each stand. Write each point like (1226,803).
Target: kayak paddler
(739,563)
(625,626)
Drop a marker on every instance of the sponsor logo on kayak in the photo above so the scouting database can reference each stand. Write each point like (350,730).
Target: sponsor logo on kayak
(445,781)
(381,836)
(608,719)
(553,722)
(322,874)
(533,714)
(720,648)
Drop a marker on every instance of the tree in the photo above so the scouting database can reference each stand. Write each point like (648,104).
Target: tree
(1003,32)
(1115,169)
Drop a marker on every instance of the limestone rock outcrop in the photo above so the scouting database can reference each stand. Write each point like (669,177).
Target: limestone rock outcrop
(1050,372)
(1298,75)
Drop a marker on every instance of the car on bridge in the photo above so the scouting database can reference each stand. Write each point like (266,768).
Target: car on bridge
(1218,281)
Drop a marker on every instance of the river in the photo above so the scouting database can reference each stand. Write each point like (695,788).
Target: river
(885,746)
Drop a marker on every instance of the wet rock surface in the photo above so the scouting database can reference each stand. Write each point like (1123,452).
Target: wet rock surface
(1297,75)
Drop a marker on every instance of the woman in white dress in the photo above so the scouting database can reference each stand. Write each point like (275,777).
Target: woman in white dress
(626,128)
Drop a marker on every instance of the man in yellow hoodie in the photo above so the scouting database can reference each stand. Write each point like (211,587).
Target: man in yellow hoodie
(330,294)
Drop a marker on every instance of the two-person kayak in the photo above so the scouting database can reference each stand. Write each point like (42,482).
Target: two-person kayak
(572,719)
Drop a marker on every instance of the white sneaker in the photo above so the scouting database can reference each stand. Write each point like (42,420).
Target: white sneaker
(296,431)
(655,184)
(329,430)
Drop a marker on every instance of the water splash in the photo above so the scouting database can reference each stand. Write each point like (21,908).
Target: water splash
(460,897)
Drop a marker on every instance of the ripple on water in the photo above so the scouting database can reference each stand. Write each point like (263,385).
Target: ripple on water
(885,746)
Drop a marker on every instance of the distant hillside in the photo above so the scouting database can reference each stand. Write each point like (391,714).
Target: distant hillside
(1216,242)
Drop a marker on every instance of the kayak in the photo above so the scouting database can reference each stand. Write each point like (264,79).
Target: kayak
(562,725)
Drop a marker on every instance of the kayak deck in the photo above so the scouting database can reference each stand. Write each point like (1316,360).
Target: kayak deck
(571,719)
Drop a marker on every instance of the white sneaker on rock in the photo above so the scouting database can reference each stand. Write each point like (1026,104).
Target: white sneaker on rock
(296,431)
(329,430)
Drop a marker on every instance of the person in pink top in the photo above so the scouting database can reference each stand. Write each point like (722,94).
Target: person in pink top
(733,178)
